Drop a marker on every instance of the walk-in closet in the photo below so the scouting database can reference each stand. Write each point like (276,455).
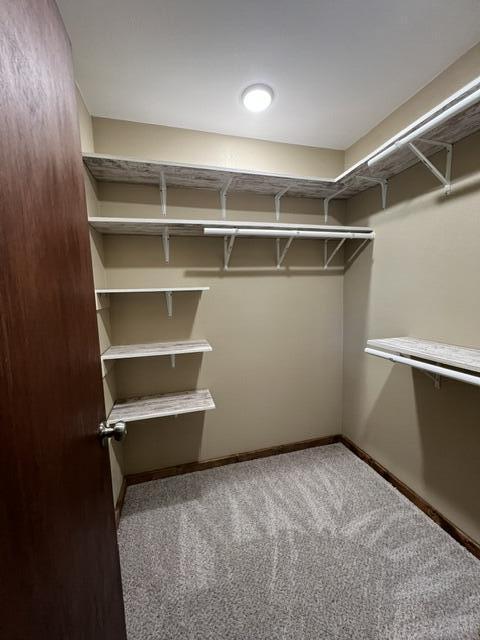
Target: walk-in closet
(240,321)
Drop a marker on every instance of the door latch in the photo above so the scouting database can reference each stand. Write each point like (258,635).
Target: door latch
(118,432)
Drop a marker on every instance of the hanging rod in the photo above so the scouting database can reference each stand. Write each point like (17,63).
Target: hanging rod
(283,233)
(424,366)
(461,105)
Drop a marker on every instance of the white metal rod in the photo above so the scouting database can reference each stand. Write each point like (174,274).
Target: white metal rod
(424,366)
(461,105)
(284,233)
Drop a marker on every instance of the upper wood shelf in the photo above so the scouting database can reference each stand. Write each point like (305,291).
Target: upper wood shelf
(178,227)
(160,406)
(453,119)
(452,355)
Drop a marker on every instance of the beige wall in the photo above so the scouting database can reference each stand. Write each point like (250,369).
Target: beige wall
(99,276)
(276,367)
(445,84)
(118,137)
(419,278)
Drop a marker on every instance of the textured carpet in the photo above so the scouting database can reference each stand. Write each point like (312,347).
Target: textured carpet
(312,545)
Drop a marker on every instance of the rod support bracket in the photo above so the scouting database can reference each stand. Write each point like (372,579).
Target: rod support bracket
(383,182)
(166,244)
(228,242)
(163,193)
(169,303)
(282,253)
(446,178)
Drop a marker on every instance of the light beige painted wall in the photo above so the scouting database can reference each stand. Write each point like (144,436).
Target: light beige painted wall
(445,84)
(419,278)
(276,367)
(196,147)
(99,277)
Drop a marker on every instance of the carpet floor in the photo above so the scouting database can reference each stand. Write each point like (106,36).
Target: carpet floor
(311,545)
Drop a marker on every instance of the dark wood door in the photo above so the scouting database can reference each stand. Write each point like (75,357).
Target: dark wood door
(59,566)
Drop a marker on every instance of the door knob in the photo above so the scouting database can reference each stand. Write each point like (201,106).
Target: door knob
(118,432)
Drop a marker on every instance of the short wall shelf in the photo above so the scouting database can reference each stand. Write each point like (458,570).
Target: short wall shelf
(459,360)
(161,406)
(172,349)
(168,291)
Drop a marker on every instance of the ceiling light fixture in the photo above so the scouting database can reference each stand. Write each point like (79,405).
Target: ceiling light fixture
(257,97)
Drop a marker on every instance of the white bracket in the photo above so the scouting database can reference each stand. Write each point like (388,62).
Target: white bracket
(228,242)
(223,197)
(328,260)
(163,194)
(169,303)
(383,184)
(172,360)
(278,197)
(326,201)
(444,179)
(436,377)
(281,255)
(357,250)
(166,244)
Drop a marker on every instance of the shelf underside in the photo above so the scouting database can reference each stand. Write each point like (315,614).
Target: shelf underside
(178,227)
(121,352)
(161,406)
(133,170)
(464,358)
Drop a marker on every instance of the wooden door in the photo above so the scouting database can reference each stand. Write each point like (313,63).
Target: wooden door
(59,566)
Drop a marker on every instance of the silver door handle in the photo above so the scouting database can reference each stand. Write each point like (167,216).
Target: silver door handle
(118,432)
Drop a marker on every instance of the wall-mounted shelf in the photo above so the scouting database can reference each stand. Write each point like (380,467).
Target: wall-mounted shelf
(453,119)
(161,406)
(101,294)
(147,350)
(459,360)
(231,230)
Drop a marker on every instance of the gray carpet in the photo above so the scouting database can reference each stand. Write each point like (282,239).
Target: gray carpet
(312,545)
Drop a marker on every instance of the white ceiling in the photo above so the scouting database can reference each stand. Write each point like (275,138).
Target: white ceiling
(337,67)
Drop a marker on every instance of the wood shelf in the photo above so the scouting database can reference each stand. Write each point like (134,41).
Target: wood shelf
(160,406)
(464,358)
(122,352)
(177,227)
(151,290)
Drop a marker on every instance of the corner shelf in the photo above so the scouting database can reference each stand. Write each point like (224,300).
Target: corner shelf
(453,119)
(100,294)
(161,406)
(459,360)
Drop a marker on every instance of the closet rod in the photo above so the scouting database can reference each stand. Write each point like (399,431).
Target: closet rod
(283,233)
(424,366)
(428,126)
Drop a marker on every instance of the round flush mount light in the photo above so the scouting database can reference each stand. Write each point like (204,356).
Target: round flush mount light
(257,97)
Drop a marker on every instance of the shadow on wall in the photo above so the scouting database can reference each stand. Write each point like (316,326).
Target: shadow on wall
(449,429)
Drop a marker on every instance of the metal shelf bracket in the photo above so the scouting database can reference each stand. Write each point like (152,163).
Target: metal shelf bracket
(172,360)
(326,201)
(163,194)
(444,179)
(278,197)
(327,259)
(228,242)
(383,182)
(223,197)
(166,244)
(169,303)
(282,253)
(357,251)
